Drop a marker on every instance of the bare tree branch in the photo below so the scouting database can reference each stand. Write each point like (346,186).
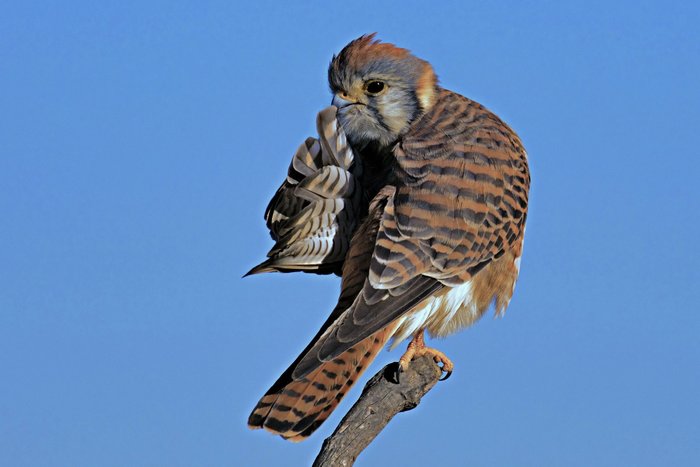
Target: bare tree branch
(382,398)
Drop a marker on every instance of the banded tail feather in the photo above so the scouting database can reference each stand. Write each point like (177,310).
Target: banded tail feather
(295,407)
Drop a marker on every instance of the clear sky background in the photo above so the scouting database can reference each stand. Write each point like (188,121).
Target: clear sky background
(141,141)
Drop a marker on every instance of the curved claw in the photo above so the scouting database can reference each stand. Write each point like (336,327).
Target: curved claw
(399,370)
(417,348)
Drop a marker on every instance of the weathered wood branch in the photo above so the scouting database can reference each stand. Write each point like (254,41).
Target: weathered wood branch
(381,399)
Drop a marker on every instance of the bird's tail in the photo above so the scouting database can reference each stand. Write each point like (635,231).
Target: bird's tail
(295,408)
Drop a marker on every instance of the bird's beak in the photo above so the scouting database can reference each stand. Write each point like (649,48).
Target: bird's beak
(341,102)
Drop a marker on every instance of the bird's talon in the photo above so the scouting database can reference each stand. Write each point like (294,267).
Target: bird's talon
(418,348)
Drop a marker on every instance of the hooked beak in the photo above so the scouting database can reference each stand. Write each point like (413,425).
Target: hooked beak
(341,102)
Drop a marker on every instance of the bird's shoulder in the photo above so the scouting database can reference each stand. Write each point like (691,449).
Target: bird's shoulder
(460,129)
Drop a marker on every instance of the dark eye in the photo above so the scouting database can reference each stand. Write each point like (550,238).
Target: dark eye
(375,87)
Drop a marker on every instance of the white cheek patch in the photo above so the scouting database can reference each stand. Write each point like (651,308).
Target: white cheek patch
(396,112)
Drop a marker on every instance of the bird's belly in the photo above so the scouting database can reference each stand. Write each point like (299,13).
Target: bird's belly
(441,315)
(455,308)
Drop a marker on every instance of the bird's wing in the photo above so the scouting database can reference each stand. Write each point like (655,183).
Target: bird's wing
(463,200)
(314,213)
(308,391)
(460,202)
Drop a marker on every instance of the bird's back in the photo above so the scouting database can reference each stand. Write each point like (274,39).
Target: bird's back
(461,205)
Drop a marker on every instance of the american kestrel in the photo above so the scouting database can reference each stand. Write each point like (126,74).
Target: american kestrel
(417,197)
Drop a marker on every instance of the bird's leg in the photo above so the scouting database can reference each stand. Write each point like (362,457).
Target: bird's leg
(417,348)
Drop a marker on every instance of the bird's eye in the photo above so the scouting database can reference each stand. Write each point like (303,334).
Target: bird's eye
(375,87)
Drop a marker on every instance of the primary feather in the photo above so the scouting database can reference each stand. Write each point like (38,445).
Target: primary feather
(315,211)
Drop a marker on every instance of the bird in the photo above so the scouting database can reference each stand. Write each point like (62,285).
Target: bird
(417,197)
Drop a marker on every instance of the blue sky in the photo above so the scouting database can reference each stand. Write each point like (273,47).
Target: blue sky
(141,141)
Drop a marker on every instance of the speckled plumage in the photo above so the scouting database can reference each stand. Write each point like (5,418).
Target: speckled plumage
(430,233)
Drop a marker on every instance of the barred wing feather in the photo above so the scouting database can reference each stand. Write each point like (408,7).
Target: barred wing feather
(313,215)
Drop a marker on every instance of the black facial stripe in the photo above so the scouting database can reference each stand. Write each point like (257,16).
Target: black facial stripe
(379,118)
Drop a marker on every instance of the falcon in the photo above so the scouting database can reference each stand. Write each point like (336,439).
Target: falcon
(417,197)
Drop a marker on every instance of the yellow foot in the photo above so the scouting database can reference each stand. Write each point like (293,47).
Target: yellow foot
(417,348)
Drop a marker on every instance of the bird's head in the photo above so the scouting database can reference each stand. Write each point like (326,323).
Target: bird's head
(379,89)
